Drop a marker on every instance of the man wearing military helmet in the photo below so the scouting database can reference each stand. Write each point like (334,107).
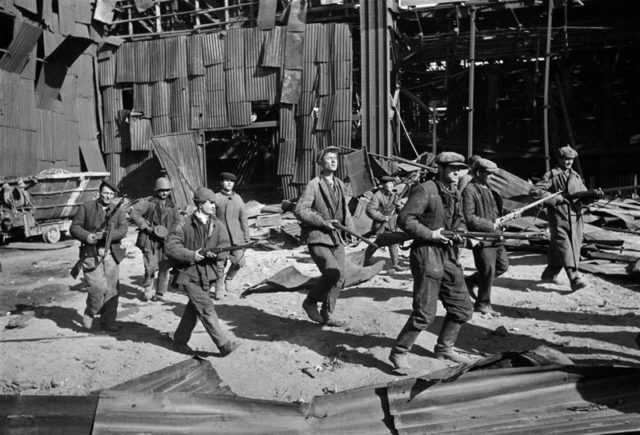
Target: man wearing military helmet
(155,216)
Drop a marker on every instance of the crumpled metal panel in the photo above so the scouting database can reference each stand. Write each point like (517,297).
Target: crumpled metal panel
(156,60)
(195,65)
(175,57)
(126,63)
(18,53)
(297,16)
(213,48)
(550,399)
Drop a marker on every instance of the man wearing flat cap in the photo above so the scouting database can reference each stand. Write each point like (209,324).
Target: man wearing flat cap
(432,207)
(466,178)
(382,208)
(481,207)
(324,202)
(565,219)
(153,216)
(187,244)
(102,253)
(231,211)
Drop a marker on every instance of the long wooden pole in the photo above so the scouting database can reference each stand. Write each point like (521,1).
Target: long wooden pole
(547,71)
(472,79)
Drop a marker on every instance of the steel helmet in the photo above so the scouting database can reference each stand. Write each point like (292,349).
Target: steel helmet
(163,183)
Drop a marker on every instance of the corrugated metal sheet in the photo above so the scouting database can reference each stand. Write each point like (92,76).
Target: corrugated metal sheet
(51,78)
(234,82)
(189,376)
(215,75)
(326,108)
(325,79)
(114,167)
(142,58)
(182,159)
(261,83)
(342,42)
(216,109)
(179,105)
(157,60)
(73,150)
(309,77)
(66,17)
(287,121)
(69,94)
(239,113)
(234,49)
(126,63)
(273,53)
(342,106)
(93,160)
(29,71)
(294,43)
(140,133)
(324,52)
(266,15)
(306,125)
(142,98)
(323,139)
(304,166)
(107,71)
(160,98)
(83,69)
(195,59)
(111,139)
(198,101)
(88,124)
(342,74)
(84,12)
(175,57)
(311,35)
(253,40)
(25,39)
(29,5)
(286,157)
(291,86)
(306,104)
(289,190)
(341,133)
(213,48)
(161,125)
(111,102)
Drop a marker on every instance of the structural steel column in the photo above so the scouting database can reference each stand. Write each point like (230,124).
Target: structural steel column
(375,66)
(547,71)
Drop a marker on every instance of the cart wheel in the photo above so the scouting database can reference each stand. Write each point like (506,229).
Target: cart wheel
(51,235)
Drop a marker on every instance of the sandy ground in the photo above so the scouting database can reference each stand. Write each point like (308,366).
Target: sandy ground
(283,355)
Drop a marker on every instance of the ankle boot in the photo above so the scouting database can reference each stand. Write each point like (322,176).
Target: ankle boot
(444,349)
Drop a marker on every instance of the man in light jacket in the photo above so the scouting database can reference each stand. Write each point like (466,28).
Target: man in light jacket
(324,202)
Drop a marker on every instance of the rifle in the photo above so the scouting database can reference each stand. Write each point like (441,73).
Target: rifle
(357,236)
(596,192)
(396,237)
(106,225)
(206,253)
(517,213)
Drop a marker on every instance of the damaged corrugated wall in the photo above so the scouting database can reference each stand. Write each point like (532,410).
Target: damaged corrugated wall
(208,81)
(47,88)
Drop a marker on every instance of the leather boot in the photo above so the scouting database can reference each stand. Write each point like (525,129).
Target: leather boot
(328,320)
(444,349)
(471,282)
(229,347)
(399,361)
(311,308)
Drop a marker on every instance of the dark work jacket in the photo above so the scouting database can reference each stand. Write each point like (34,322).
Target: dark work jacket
(151,212)
(481,206)
(89,218)
(186,237)
(381,205)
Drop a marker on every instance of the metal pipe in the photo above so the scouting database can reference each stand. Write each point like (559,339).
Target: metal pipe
(472,73)
(547,70)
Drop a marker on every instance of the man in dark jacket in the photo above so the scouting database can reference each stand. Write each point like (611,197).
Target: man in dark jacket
(324,202)
(186,245)
(101,253)
(481,207)
(432,207)
(565,219)
(382,210)
(230,210)
(154,216)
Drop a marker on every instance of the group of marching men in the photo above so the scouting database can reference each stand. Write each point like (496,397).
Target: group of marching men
(451,201)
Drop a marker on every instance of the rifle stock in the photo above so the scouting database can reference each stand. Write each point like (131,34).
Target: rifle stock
(595,192)
(357,236)
(222,249)
(396,237)
(516,213)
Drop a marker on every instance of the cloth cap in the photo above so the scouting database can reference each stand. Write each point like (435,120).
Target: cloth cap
(567,151)
(228,176)
(203,195)
(388,178)
(473,159)
(325,151)
(449,158)
(485,165)
(163,183)
(110,184)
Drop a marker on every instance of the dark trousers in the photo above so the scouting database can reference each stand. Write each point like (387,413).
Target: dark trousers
(201,307)
(393,253)
(331,262)
(491,262)
(436,275)
(551,271)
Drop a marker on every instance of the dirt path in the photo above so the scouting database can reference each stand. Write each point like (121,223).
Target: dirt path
(283,355)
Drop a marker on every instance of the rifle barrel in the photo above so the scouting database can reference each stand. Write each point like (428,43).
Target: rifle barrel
(615,189)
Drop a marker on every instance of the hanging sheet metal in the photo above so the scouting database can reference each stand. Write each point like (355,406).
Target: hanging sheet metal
(342,74)
(297,16)
(195,59)
(294,43)
(107,71)
(161,125)
(325,78)
(103,11)
(234,84)
(341,133)
(160,99)
(326,109)
(92,156)
(273,53)
(175,57)
(142,99)
(19,50)
(215,75)
(267,14)
(286,157)
(126,63)
(142,56)
(156,60)
(234,48)
(287,121)
(181,157)
(291,86)
(140,133)
(239,113)
(213,48)
(217,116)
